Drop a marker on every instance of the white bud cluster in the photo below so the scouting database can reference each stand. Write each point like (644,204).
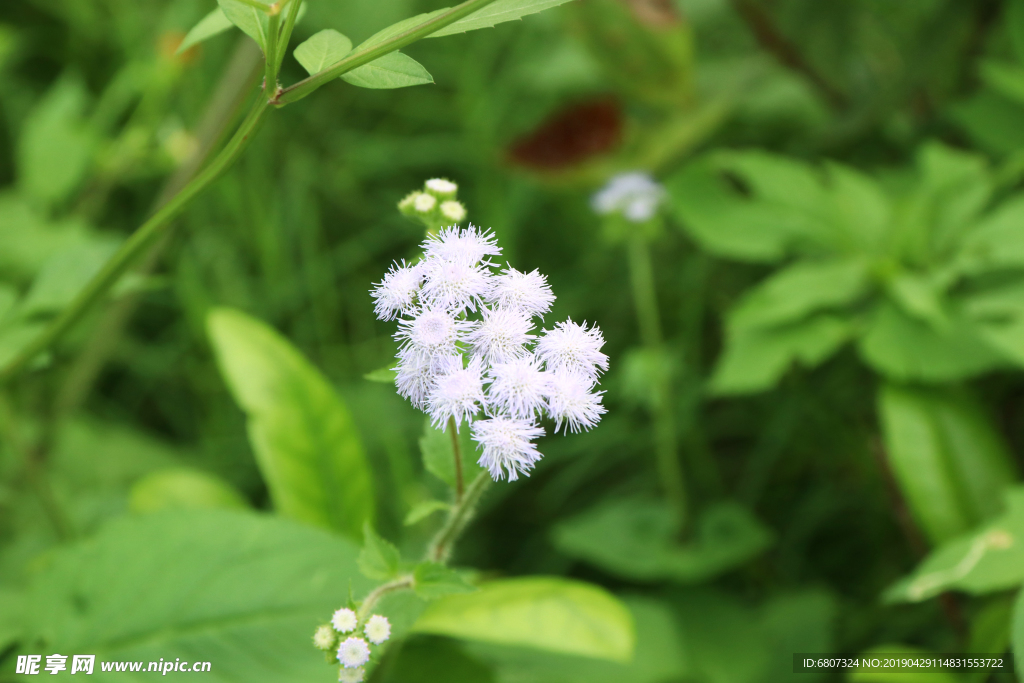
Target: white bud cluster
(635,195)
(354,651)
(468,351)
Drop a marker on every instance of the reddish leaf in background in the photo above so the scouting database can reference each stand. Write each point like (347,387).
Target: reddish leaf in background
(570,136)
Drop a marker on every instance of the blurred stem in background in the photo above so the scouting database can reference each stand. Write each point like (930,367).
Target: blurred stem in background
(645,300)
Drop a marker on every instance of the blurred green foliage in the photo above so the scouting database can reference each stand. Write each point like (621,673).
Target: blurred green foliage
(836,282)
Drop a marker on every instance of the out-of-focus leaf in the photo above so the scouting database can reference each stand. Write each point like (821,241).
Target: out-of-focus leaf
(547,613)
(661,655)
(882,675)
(379,558)
(8,297)
(998,240)
(213,24)
(800,289)
(306,444)
(429,659)
(1017,636)
(439,457)
(951,463)
(322,50)
(637,539)
(393,70)
(56,146)
(1006,79)
(65,274)
(920,298)
(183,489)
(955,188)
(384,375)
(496,13)
(983,561)
(243,590)
(905,349)
(433,580)
(990,631)
(424,510)
(254,22)
(15,337)
(12,618)
(991,121)
(29,240)
(755,359)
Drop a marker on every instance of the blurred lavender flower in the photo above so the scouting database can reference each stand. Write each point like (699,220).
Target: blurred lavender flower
(635,195)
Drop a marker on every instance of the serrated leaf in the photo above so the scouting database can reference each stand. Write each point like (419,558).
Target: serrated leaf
(433,580)
(322,50)
(496,13)
(546,613)
(254,22)
(393,70)
(983,561)
(306,444)
(379,560)
(424,510)
(213,24)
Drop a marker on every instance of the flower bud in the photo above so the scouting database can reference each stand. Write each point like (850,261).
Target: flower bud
(442,188)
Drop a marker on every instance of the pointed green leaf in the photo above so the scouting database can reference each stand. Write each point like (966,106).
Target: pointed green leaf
(306,444)
(385,375)
(547,613)
(496,13)
(322,50)
(393,70)
(214,23)
(379,559)
(424,510)
(433,580)
(254,22)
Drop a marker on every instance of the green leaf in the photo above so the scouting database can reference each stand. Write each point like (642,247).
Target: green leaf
(29,240)
(949,460)
(439,458)
(496,13)
(183,488)
(905,349)
(883,675)
(1017,636)
(56,147)
(379,559)
(65,274)
(385,375)
(239,589)
(433,580)
(800,289)
(983,561)
(638,539)
(755,359)
(306,445)
(1006,79)
(424,510)
(15,337)
(393,70)
(322,50)
(547,613)
(920,297)
(254,22)
(997,241)
(213,24)
(12,617)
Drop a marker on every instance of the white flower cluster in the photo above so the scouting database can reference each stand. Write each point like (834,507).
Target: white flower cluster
(354,651)
(435,204)
(635,195)
(468,352)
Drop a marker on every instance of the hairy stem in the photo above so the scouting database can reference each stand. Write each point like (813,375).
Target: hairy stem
(460,484)
(460,515)
(371,600)
(670,470)
(136,245)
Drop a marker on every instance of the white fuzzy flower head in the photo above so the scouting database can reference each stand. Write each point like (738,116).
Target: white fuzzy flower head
(396,293)
(572,403)
(442,188)
(431,333)
(323,638)
(457,392)
(424,203)
(636,195)
(573,348)
(528,293)
(501,336)
(414,376)
(469,246)
(454,285)
(517,389)
(353,652)
(344,620)
(453,211)
(507,446)
(356,675)
(378,629)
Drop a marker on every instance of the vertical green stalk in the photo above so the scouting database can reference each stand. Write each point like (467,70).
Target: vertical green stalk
(441,547)
(645,300)
(457,454)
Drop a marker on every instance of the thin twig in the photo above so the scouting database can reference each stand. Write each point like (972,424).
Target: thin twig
(460,484)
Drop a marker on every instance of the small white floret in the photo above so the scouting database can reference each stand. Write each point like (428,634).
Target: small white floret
(453,211)
(353,652)
(572,403)
(507,445)
(378,629)
(463,245)
(344,620)
(457,392)
(397,292)
(424,203)
(573,348)
(528,293)
(432,332)
(441,187)
(323,638)
(501,336)
(518,388)
(636,195)
(454,286)
(351,675)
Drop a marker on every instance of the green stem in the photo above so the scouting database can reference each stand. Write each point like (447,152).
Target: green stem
(371,600)
(357,58)
(460,515)
(460,483)
(286,34)
(136,245)
(273,47)
(670,470)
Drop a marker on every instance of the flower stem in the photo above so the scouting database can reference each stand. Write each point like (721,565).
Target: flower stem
(371,600)
(460,484)
(136,245)
(645,299)
(463,511)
